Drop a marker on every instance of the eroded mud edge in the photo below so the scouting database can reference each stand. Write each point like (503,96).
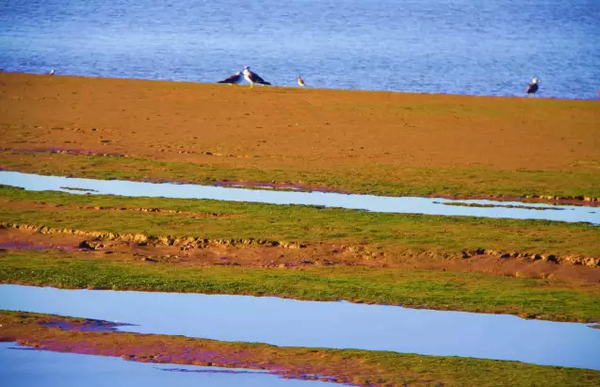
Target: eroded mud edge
(189,243)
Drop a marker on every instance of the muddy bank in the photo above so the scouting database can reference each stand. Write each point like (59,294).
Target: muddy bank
(195,252)
(351,367)
(97,240)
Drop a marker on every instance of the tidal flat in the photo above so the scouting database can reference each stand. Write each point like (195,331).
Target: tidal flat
(531,150)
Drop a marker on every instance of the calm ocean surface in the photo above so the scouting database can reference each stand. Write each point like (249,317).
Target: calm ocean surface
(491,47)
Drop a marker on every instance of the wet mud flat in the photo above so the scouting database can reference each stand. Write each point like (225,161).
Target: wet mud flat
(351,367)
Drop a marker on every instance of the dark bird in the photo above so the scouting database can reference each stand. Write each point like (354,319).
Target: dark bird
(300,82)
(233,79)
(253,78)
(533,87)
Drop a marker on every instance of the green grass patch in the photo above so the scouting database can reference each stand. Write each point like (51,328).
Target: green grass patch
(366,178)
(414,288)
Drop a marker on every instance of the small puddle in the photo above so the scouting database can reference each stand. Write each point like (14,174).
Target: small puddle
(407,205)
(24,366)
(286,322)
(21,246)
(29,246)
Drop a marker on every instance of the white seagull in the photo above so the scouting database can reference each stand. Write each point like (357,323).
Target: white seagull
(51,72)
(233,79)
(253,78)
(533,86)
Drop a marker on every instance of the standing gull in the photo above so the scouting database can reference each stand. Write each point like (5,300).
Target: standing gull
(533,86)
(233,79)
(51,72)
(253,78)
(300,82)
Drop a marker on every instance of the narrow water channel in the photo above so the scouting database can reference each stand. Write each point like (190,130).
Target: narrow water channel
(27,367)
(286,322)
(407,205)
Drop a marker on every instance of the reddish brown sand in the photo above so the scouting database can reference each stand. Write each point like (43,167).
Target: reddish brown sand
(293,128)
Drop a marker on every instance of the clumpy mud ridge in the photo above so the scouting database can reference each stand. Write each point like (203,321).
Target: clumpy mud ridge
(99,241)
(190,252)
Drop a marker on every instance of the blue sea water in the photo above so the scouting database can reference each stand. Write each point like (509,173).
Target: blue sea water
(491,47)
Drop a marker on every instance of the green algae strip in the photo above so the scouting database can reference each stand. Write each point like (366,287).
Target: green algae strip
(369,179)
(212,219)
(351,367)
(445,290)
